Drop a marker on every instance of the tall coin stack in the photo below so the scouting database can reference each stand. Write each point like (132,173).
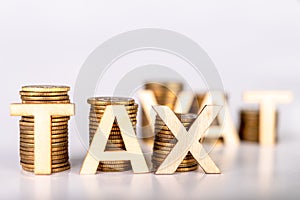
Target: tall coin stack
(165,141)
(249,125)
(115,140)
(45,94)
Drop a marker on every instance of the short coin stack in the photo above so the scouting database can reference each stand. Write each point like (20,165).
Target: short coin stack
(165,141)
(249,125)
(115,140)
(45,94)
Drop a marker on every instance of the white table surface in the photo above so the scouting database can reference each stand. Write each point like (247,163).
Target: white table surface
(248,172)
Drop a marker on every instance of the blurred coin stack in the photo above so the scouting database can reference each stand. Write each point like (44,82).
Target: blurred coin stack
(115,140)
(249,125)
(45,94)
(165,92)
(165,141)
(197,102)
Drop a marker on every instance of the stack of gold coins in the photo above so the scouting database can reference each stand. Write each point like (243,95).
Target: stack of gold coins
(45,94)
(165,141)
(249,125)
(115,140)
(165,92)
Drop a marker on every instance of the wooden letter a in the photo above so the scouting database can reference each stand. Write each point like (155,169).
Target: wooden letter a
(133,151)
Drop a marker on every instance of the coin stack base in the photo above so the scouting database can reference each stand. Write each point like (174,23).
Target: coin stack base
(165,141)
(115,140)
(59,131)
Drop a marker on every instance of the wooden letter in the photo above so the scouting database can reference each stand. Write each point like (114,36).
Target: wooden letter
(267,101)
(133,151)
(42,129)
(226,127)
(188,140)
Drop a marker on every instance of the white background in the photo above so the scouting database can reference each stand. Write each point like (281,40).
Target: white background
(254,45)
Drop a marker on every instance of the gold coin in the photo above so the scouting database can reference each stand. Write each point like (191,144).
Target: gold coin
(42,94)
(57,140)
(189,162)
(164,144)
(54,170)
(114,127)
(120,141)
(127,107)
(114,145)
(61,169)
(53,161)
(53,149)
(164,140)
(53,165)
(115,137)
(110,141)
(160,148)
(53,145)
(99,116)
(112,131)
(114,149)
(114,167)
(114,170)
(93,122)
(161,151)
(47,102)
(53,132)
(53,128)
(187,169)
(64,135)
(110,101)
(53,125)
(45,88)
(121,162)
(166,136)
(124,164)
(101,112)
(53,119)
(47,98)
(53,153)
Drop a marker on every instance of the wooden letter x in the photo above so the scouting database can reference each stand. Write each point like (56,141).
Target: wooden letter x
(42,129)
(188,141)
(133,151)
